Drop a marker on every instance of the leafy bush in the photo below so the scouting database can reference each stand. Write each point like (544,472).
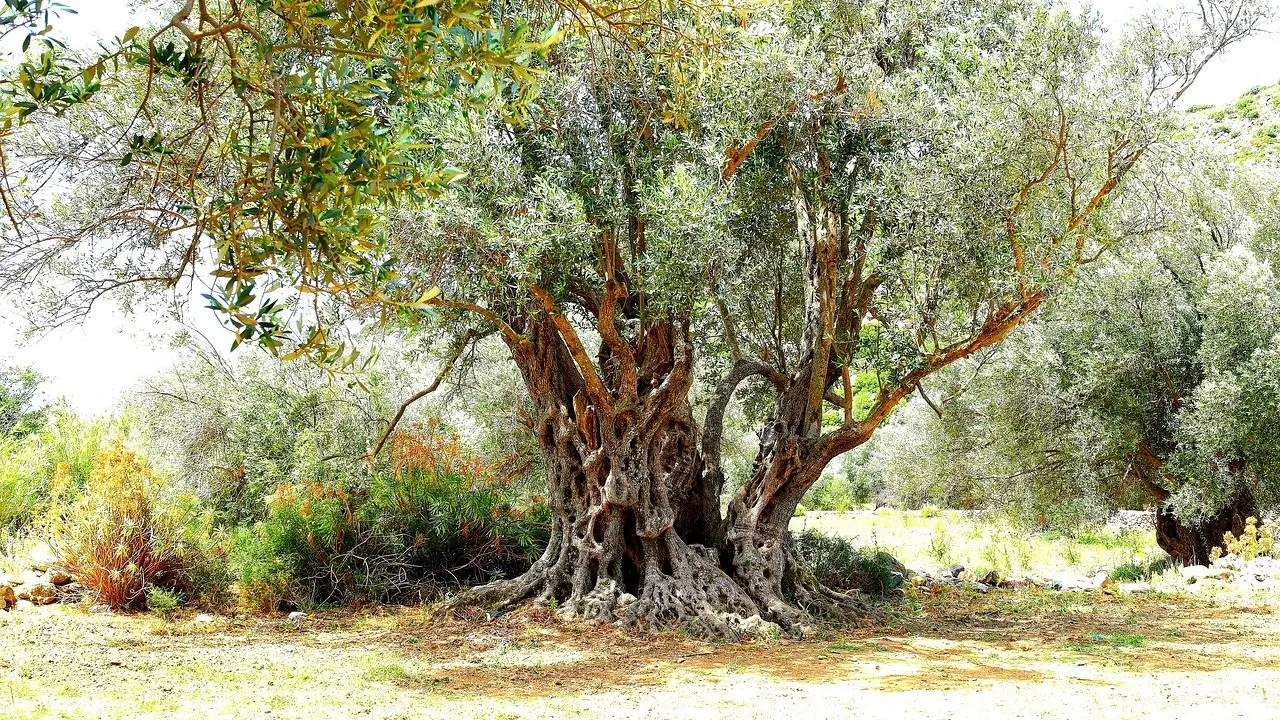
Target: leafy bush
(50,464)
(439,517)
(837,563)
(930,511)
(122,536)
(1129,572)
(833,492)
(1255,540)
(164,602)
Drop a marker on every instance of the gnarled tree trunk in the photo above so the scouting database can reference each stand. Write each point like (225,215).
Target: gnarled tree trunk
(1189,544)
(633,525)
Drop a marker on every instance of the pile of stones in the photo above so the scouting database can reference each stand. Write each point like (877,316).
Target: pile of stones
(41,582)
(959,577)
(1234,572)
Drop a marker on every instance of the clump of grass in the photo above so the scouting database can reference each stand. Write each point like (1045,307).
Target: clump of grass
(386,672)
(1130,572)
(837,563)
(930,511)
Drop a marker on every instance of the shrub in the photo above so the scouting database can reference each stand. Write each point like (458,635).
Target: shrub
(930,511)
(940,547)
(439,517)
(1255,540)
(833,492)
(837,563)
(50,464)
(163,602)
(121,537)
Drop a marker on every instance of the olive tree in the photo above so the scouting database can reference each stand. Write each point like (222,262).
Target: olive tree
(1151,381)
(832,201)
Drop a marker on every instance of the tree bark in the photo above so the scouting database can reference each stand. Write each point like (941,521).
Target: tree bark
(1191,544)
(631,515)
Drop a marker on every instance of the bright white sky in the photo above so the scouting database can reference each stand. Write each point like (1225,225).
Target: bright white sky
(94,364)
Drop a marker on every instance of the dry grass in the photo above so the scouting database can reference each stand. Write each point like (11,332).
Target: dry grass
(955,654)
(951,537)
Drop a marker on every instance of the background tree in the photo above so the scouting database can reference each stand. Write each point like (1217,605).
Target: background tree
(839,199)
(1150,382)
(21,411)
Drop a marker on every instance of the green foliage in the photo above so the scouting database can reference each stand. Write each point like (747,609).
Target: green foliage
(438,519)
(125,534)
(940,547)
(50,465)
(837,493)
(163,602)
(234,433)
(837,563)
(20,411)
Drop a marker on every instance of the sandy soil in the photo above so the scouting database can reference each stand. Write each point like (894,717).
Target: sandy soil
(1016,654)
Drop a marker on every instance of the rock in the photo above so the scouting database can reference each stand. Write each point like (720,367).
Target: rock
(992,579)
(1071,583)
(296,616)
(9,579)
(59,576)
(1134,587)
(40,593)
(626,599)
(41,557)
(976,587)
(756,626)
(31,577)
(956,570)
(1013,583)
(23,605)
(7,596)
(203,619)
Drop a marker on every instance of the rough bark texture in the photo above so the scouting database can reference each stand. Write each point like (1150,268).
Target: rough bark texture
(632,517)
(1191,544)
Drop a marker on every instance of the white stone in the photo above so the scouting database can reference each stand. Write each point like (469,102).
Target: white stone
(296,615)
(203,619)
(42,557)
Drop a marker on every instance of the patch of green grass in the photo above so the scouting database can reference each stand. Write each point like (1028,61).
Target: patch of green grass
(1112,641)
(384,671)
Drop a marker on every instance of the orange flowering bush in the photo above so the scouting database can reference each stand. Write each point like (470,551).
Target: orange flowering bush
(125,533)
(439,516)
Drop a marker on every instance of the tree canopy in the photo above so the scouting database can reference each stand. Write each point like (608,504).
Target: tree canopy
(832,200)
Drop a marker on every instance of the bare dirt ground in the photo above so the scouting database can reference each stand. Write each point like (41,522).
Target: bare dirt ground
(1012,654)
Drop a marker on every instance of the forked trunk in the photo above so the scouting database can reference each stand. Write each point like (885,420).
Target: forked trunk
(631,514)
